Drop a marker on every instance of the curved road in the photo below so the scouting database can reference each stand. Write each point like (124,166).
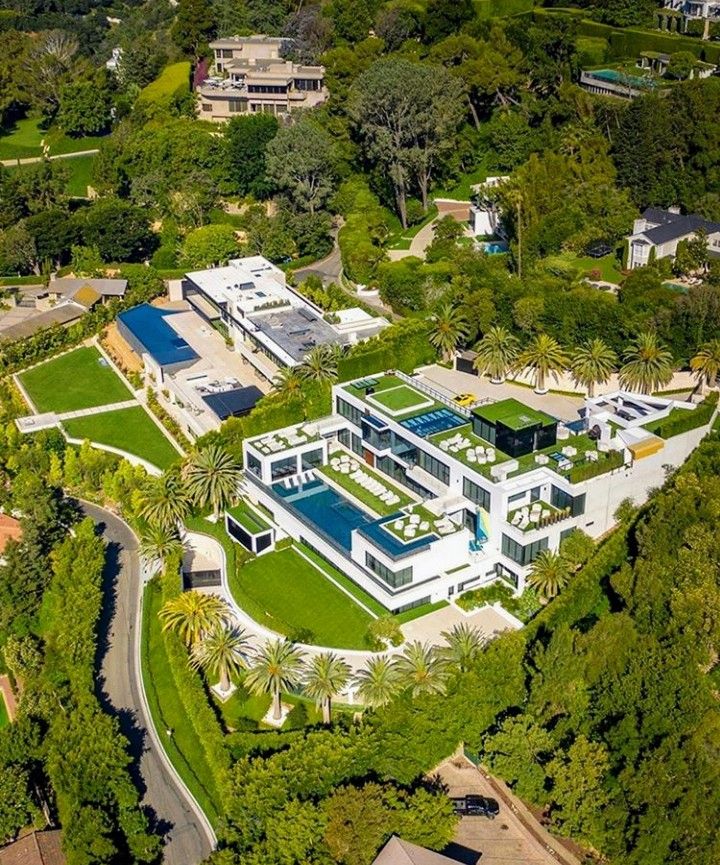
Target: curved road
(172,811)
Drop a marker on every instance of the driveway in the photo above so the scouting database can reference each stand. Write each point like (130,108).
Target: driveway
(513,838)
(328,268)
(172,812)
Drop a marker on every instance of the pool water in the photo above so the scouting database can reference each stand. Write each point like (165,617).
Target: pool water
(432,422)
(495,247)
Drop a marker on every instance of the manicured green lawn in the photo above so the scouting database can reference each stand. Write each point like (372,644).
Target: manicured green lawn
(355,590)
(76,380)
(130,429)
(81,170)
(417,612)
(608,265)
(400,399)
(461,189)
(288,594)
(184,748)
(23,141)
(4,719)
(248,518)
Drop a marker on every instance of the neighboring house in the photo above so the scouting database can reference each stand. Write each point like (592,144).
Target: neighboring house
(399,852)
(485,214)
(690,10)
(37,848)
(266,319)
(86,292)
(10,530)
(251,76)
(657,233)
(461,496)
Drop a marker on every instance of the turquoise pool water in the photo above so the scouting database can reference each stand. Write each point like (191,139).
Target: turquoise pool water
(617,77)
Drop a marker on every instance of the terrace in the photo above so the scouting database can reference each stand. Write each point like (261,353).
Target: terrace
(536,516)
(464,445)
(419,523)
(579,456)
(248,519)
(367,486)
(283,440)
(392,395)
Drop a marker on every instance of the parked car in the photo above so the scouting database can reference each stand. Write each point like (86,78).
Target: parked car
(459,804)
(465,400)
(481,806)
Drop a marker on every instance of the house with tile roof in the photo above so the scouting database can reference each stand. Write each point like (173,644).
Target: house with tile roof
(399,852)
(657,233)
(37,848)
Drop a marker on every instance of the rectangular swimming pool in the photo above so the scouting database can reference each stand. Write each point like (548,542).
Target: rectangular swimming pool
(336,517)
(432,422)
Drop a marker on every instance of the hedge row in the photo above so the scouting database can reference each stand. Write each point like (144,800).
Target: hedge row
(192,693)
(629,43)
(605,463)
(171,85)
(501,8)
(688,420)
(404,346)
(363,215)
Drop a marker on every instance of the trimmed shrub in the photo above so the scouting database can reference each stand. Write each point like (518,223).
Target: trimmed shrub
(168,91)
(676,424)
(605,463)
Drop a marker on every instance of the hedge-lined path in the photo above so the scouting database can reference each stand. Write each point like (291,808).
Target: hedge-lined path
(173,811)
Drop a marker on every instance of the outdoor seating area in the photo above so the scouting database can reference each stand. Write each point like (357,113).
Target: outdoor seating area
(284,439)
(535,516)
(473,453)
(417,523)
(346,465)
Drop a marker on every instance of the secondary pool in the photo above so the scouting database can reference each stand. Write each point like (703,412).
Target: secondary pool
(495,247)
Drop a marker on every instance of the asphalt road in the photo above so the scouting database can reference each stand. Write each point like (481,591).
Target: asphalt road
(172,812)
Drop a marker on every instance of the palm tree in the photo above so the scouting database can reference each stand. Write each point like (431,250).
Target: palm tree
(325,676)
(159,543)
(288,381)
(277,667)
(545,356)
(212,477)
(222,651)
(165,500)
(193,614)
(706,363)
(320,364)
(421,669)
(550,573)
(450,326)
(593,364)
(496,354)
(464,646)
(648,364)
(378,683)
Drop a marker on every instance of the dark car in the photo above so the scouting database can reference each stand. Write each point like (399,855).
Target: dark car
(481,806)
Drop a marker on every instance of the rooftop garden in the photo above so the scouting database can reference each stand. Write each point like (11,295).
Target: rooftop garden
(248,519)
(389,393)
(469,448)
(369,487)
(283,440)
(683,420)
(536,516)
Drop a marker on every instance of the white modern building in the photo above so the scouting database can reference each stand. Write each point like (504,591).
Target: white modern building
(269,323)
(657,233)
(417,500)
(485,216)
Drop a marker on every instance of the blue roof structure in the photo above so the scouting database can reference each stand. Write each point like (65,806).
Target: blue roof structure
(149,328)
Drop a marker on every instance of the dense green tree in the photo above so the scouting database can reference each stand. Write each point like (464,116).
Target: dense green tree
(276,667)
(223,652)
(497,353)
(193,615)
(592,364)
(212,477)
(444,17)
(193,26)
(209,246)
(119,230)
(648,364)
(517,752)
(246,140)
(85,109)
(300,161)
(326,675)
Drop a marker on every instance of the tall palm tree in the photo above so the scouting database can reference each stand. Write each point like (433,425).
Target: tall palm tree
(165,501)
(496,354)
(421,669)
(222,651)
(212,477)
(277,667)
(449,327)
(193,614)
(378,682)
(464,646)
(706,363)
(325,676)
(288,381)
(158,543)
(320,364)
(593,364)
(549,575)
(648,364)
(545,357)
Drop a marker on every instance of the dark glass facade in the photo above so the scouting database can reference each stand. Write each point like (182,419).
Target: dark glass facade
(476,494)
(523,555)
(560,499)
(395,579)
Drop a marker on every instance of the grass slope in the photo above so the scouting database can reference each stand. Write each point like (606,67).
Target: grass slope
(285,592)
(184,748)
(130,429)
(23,141)
(75,380)
(4,718)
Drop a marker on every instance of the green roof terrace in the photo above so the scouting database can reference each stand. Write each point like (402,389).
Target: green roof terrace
(391,395)
(513,414)
(248,519)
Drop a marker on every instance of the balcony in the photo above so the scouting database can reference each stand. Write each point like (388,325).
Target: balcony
(537,515)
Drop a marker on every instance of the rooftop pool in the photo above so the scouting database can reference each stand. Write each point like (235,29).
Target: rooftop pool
(336,517)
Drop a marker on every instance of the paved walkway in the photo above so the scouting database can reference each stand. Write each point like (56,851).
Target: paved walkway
(97,409)
(32,160)
(172,809)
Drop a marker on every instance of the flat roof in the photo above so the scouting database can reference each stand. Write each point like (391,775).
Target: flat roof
(149,327)
(513,414)
(233,403)
(297,330)
(248,519)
